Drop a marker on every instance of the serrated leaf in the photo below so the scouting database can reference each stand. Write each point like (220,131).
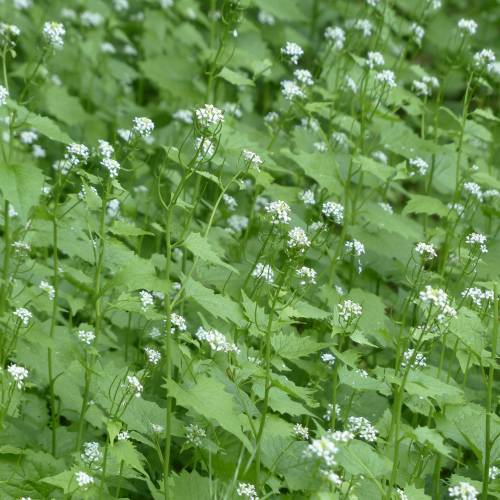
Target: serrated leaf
(235,77)
(421,204)
(199,246)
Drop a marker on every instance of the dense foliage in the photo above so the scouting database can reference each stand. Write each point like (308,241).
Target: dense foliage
(249,249)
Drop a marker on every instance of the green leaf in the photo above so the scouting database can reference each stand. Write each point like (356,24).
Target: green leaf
(235,77)
(291,346)
(198,245)
(65,107)
(420,204)
(208,398)
(427,436)
(360,458)
(191,485)
(22,186)
(122,228)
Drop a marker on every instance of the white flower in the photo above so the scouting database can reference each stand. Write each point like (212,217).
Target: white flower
(279,211)
(477,295)
(153,355)
(38,151)
(247,490)
(351,84)
(467,26)
(19,374)
(91,19)
(386,207)
(421,88)
(4,95)
(380,156)
(304,76)
(49,289)
(419,361)
(124,134)
(146,299)
(334,211)
(418,33)
(112,166)
(420,165)
(9,31)
(328,358)
(216,340)
(205,147)
(252,158)
(231,203)
(290,90)
(485,60)
(106,150)
(293,51)
(157,429)
(432,81)
(209,115)
(297,239)
(83,479)
(329,411)
(363,428)
(120,5)
(354,247)
(320,147)
(130,50)
(24,315)
(54,34)
(86,336)
(349,310)
(493,472)
(301,431)
(232,108)
(438,298)
(91,452)
(178,323)
(21,247)
(76,154)
(336,35)
(123,436)
(426,250)
(135,385)
(477,240)
(195,434)
(375,59)
(154,333)
(143,126)
(386,77)
(307,197)
(474,190)
(463,491)
(237,223)
(266,18)
(323,449)
(365,26)
(307,275)
(265,272)
(183,115)
(401,494)
(23,4)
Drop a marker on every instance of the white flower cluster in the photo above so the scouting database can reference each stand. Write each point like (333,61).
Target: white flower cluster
(205,147)
(363,428)
(386,77)
(324,449)
(247,490)
(474,190)
(76,154)
(301,431)
(463,491)
(48,289)
(438,298)
(363,25)
(54,34)
(467,26)
(279,211)
(178,323)
(143,126)
(485,59)
(216,340)
(328,358)
(135,385)
(335,35)
(265,272)
(24,315)
(425,86)
(386,207)
(354,247)
(184,116)
(123,436)
(419,360)
(420,165)
(426,250)
(147,299)
(153,355)
(307,197)
(112,166)
(253,159)
(21,247)
(477,240)
(91,19)
(329,412)
(209,115)
(266,18)
(307,275)
(334,211)
(83,479)
(230,202)
(493,472)
(195,434)
(237,223)
(91,452)
(418,33)
(304,76)
(477,295)
(375,60)
(298,240)
(28,136)
(291,90)
(349,310)
(86,336)
(293,51)
(18,373)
